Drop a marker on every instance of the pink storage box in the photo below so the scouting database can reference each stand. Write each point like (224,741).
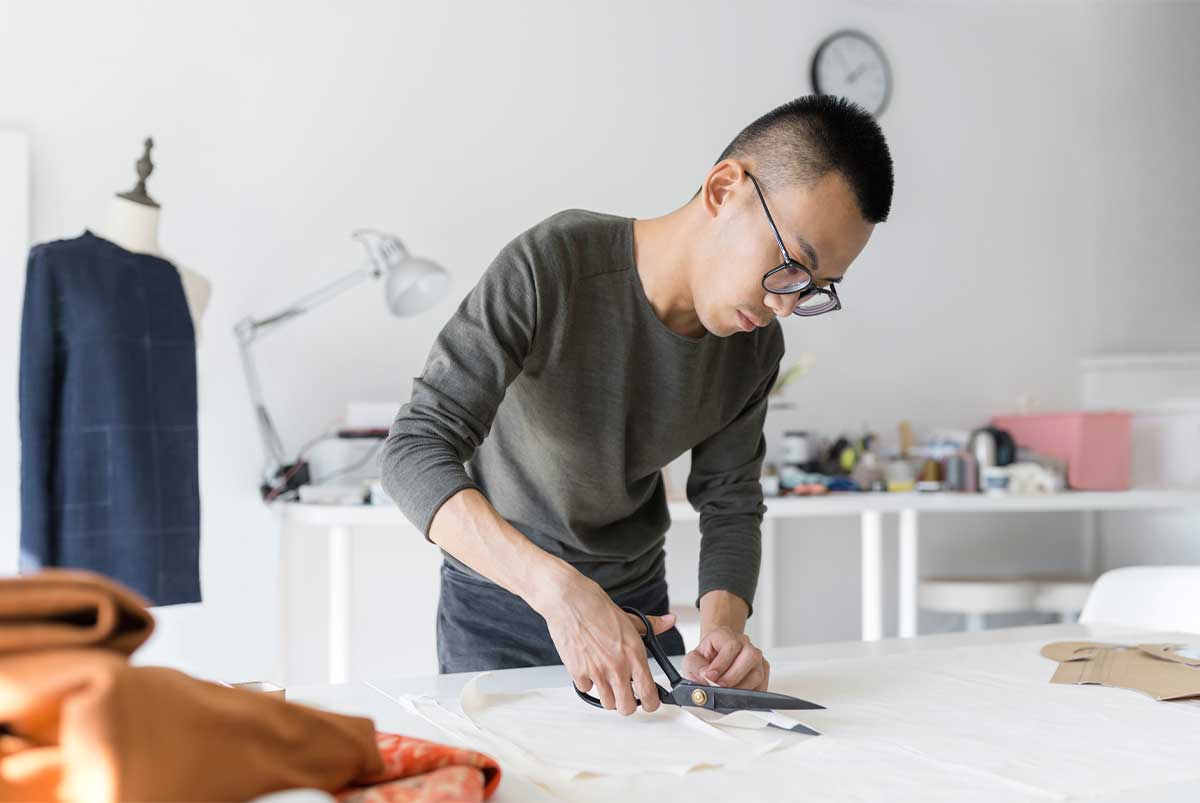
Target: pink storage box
(1095,446)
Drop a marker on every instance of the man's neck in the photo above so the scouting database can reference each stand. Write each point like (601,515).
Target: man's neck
(664,251)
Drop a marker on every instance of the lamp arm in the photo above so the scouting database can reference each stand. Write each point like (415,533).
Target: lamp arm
(250,329)
(271,442)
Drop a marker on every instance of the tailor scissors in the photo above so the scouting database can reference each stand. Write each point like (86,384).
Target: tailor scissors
(720,699)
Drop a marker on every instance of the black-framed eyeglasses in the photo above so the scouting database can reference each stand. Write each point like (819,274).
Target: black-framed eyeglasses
(794,277)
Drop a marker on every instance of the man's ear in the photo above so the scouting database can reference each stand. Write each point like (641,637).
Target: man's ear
(719,184)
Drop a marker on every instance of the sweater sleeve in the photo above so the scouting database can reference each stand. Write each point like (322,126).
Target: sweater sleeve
(478,353)
(38,391)
(724,487)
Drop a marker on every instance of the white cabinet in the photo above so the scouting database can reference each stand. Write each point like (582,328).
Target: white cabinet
(358,591)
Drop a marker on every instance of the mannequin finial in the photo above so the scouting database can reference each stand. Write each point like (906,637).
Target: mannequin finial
(144,168)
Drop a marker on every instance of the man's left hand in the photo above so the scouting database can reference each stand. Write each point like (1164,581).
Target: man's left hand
(727,658)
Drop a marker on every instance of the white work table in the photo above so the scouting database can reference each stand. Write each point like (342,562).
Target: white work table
(870,508)
(946,717)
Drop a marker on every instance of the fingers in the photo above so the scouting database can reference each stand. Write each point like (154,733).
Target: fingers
(623,690)
(749,659)
(662,624)
(755,679)
(724,659)
(694,663)
(603,648)
(643,684)
(605,693)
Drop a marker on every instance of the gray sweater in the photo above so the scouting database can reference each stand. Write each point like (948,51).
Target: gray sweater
(564,395)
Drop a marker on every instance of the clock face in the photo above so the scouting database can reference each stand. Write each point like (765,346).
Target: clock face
(849,64)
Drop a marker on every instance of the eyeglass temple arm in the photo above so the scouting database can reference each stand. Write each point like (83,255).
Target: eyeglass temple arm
(774,229)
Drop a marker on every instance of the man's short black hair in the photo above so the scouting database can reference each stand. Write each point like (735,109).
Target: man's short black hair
(811,136)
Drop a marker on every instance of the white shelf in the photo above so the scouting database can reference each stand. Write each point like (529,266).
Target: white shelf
(314,515)
(852,503)
(838,504)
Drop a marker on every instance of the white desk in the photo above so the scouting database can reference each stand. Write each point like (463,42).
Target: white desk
(870,508)
(995,765)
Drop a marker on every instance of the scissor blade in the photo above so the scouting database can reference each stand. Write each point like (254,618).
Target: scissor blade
(797,728)
(747,700)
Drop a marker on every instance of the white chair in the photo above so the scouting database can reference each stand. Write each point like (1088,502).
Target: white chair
(1150,597)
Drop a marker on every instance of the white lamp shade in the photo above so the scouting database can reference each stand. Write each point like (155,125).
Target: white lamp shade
(415,285)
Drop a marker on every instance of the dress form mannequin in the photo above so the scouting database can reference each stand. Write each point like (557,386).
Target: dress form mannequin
(132,223)
(108,399)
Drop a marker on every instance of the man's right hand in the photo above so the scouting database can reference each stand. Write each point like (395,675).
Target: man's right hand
(601,645)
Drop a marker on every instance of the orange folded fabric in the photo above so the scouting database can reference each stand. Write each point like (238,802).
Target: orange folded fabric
(71,608)
(84,725)
(79,723)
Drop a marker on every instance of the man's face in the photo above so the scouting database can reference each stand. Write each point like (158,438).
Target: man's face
(820,225)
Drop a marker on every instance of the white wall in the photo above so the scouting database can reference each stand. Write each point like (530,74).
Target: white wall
(1146,275)
(1147,174)
(14,243)
(1041,153)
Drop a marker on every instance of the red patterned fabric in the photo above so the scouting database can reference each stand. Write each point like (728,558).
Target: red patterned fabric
(417,771)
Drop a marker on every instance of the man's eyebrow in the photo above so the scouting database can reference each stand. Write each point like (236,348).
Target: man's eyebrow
(809,252)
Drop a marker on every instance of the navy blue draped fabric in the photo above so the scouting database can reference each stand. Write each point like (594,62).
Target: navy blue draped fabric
(109,477)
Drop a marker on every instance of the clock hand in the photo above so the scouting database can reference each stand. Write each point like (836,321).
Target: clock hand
(842,58)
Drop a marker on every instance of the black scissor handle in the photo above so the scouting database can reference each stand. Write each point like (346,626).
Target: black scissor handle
(663,696)
(660,656)
(655,649)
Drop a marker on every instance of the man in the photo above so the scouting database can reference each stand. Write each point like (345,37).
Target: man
(595,350)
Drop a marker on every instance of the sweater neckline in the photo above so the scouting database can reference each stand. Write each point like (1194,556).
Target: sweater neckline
(635,278)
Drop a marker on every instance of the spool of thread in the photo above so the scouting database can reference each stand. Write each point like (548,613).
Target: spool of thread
(899,475)
(931,471)
(955,468)
(971,472)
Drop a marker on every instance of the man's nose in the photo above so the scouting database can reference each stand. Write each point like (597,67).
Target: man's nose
(781,305)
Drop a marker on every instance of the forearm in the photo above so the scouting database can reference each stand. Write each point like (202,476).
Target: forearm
(725,487)
(720,608)
(470,529)
(730,555)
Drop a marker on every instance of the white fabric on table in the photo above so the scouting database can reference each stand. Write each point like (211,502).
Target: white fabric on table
(556,737)
(976,722)
(992,710)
